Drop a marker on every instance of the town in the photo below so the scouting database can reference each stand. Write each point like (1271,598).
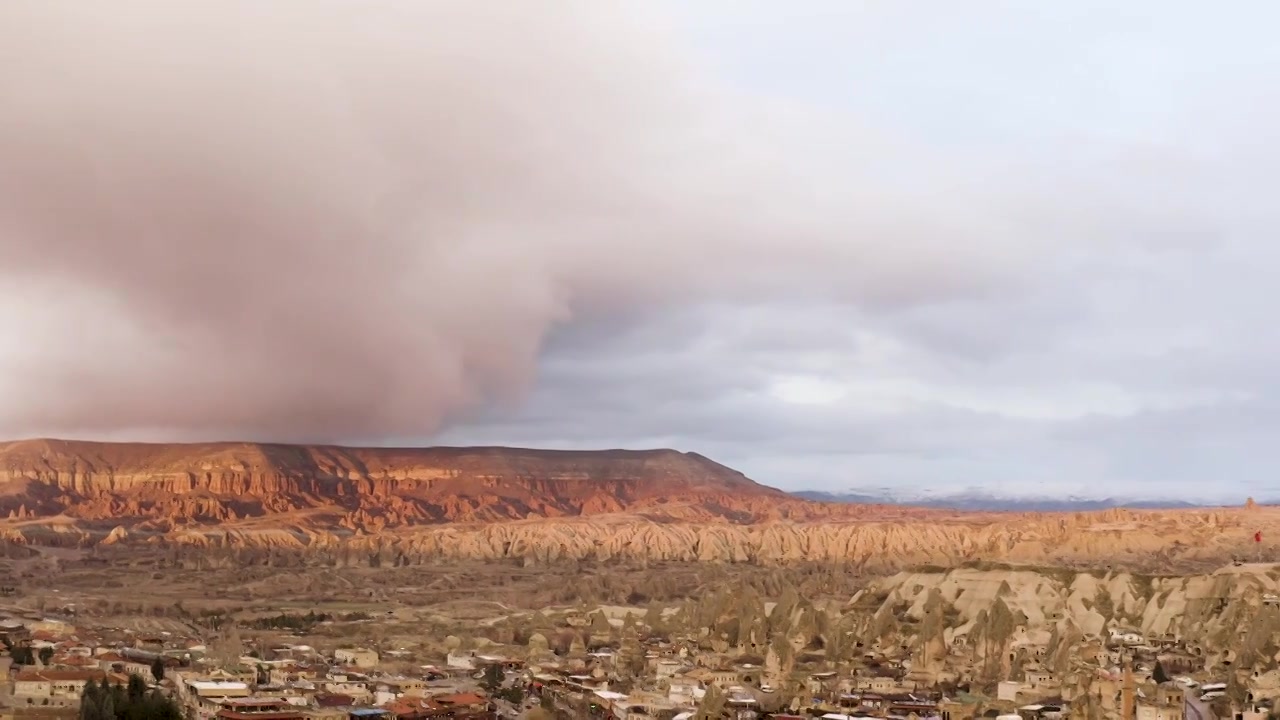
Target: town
(622,665)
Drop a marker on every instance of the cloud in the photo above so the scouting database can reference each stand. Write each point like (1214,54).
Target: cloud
(837,246)
(897,411)
(326,220)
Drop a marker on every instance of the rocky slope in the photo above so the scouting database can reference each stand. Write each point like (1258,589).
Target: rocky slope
(369,487)
(1184,541)
(294,504)
(1213,614)
(987,622)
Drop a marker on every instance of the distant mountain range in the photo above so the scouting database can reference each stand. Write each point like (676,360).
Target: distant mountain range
(980,502)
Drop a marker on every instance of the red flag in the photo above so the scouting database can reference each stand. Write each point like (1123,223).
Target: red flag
(1257,537)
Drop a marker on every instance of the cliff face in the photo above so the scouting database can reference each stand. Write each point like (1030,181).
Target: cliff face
(387,487)
(359,505)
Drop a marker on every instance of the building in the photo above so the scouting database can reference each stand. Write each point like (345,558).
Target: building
(327,713)
(1040,681)
(259,709)
(465,706)
(207,697)
(917,705)
(512,665)
(54,687)
(723,678)
(685,691)
(1163,702)
(49,626)
(362,658)
(880,684)
(218,688)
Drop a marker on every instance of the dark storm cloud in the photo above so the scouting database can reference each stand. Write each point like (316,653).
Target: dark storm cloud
(831,243)
(327,220)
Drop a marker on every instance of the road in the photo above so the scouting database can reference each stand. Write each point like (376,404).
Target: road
(1197,710)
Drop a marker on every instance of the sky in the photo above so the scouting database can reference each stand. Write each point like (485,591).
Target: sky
(1023,249)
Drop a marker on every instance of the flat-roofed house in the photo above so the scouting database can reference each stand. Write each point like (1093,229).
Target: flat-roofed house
(59,688)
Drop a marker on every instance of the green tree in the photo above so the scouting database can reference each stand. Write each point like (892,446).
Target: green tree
(513,695)
(46,654)
(493,679)
(1158,674)
(137,689)
(103,701)
(107,709)
(21,654)
(157,669)
(118,697)
(158,707)
(89,706)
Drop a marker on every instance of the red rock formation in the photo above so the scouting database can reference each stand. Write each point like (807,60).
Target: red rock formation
(417,505)
(367,488)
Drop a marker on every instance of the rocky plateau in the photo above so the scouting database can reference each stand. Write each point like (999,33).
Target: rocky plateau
(400,506)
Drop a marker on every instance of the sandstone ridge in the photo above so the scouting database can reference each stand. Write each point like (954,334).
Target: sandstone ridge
(291,505)
(364,487)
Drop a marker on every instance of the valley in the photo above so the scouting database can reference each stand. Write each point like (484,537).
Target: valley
(622,584)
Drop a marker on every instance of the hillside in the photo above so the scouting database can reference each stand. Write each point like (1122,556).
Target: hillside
(989,622)
(412,505)
(227,482)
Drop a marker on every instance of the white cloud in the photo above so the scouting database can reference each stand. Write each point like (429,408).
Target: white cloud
(834,243)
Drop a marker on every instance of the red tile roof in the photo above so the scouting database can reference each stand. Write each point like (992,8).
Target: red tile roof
(460,699)
(59,675)
(254,702)
(73,660)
